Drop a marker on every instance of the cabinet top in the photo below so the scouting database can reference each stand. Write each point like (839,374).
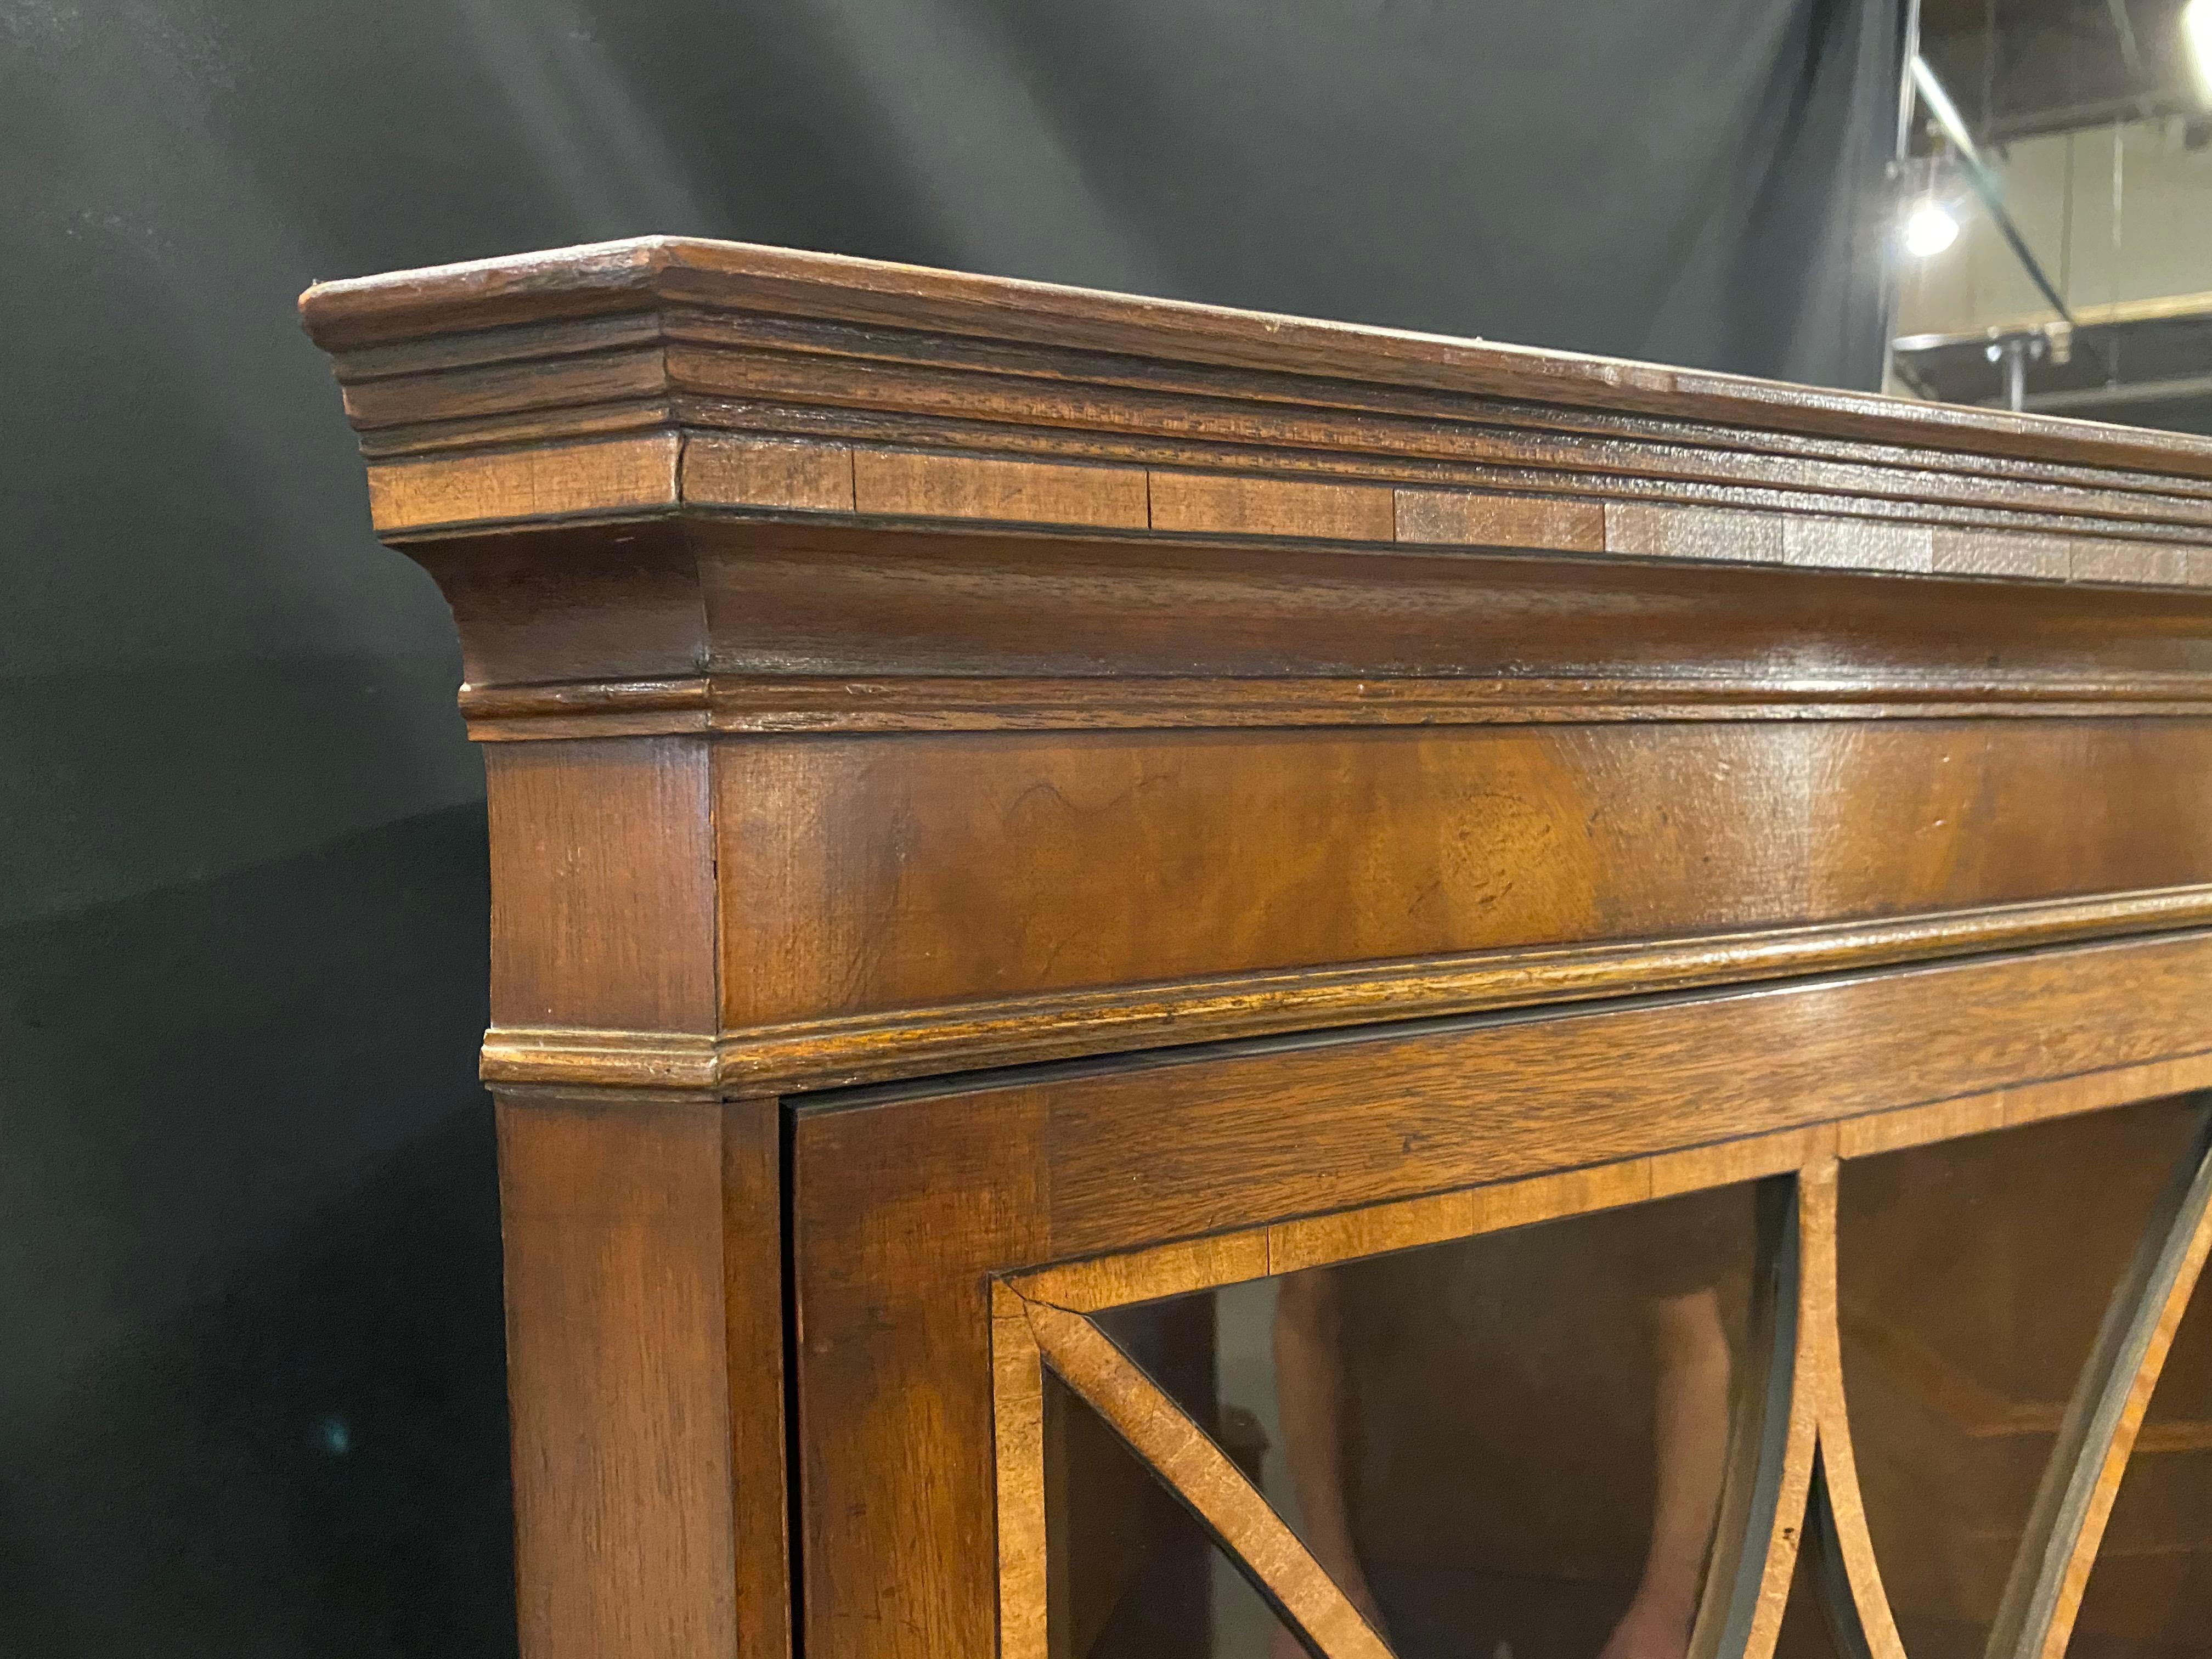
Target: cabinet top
(671,377)
(644,273)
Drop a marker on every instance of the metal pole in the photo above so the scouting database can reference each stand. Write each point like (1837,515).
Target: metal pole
(1892,267)
(1905,80)
(1984,181)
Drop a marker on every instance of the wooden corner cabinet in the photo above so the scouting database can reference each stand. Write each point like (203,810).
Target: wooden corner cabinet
(1174,983)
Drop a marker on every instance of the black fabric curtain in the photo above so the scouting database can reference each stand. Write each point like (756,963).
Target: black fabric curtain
(250,1391)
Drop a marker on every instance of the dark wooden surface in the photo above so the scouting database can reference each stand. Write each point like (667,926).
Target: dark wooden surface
(644,1336)
(887,674)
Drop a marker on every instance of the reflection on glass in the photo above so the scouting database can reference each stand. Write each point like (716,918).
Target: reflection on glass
(1509,1444)
(2150,1593)
(1806,1632)
(1132,1576)
(1973,1275)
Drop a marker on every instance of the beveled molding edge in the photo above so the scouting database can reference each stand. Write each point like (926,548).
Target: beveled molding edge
(781,477)
(843,1050)
(770,704)
(625,307)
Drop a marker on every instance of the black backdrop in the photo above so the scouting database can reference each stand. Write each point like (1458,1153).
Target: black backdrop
(250,1399)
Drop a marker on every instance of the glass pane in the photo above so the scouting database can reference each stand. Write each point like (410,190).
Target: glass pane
(1973,1276)
(1805,1631)
(1132,1575)
(1503,1445)
(2150,1593)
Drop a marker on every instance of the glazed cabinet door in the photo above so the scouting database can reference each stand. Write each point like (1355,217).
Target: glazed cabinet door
(1828,1318)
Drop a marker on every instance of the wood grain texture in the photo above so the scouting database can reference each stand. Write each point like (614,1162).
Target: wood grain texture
(2030,1103)
(2048,558)
(1468,518)
(557,480)
(821,600)
(897,1220)
(602,883)
(591,611)
(798,621)
(1857,545)
(906,1200)
(619,280)
(838,1052)
(889,873)
(1693,533)
(2035,1618)
(1355,788)
(1233,1140)
(753,1333)
(643,1331)
(2131,562)
(722,470)
(1194,503)
(1171,1269)
(1182,1266)
(1837,1504)
(902,483)
(1200,1473)
(1018,1456)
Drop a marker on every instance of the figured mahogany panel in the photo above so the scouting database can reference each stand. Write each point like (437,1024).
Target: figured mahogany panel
(886,872)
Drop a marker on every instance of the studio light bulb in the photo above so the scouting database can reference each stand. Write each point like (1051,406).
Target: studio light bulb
(1929,228)
(2196,28)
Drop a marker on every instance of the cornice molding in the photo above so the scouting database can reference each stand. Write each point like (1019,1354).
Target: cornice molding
(667,377)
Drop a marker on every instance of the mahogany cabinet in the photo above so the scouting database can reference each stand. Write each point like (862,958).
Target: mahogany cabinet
(1167,981)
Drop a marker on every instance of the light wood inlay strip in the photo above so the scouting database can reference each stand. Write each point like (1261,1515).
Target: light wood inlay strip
(2035,1617)
(1839,1508)
(1185,1266)
(1017,1444)
(1171,1269)
(1202,1475)
(1818,1447)
(1758,1607)
(1769,1441)
(547,480)
(910,483)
